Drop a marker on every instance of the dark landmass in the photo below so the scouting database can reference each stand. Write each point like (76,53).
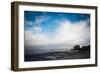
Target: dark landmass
(75,53)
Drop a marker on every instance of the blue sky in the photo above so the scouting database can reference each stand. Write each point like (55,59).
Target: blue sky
(49,21)
(53,28)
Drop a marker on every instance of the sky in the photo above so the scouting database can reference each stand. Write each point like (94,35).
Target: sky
(56,29)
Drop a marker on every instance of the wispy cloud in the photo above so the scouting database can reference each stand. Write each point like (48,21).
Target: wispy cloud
(67,33)
(51,31)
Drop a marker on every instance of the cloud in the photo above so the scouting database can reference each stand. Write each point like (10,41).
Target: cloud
(73,33)
(68,34)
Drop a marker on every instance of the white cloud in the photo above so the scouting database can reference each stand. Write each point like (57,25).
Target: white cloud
(68,33)
(73,33)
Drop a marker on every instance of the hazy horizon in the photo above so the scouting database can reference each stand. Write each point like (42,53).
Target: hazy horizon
(53,31)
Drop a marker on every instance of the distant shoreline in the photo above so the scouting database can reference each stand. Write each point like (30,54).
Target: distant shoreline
(73,54)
